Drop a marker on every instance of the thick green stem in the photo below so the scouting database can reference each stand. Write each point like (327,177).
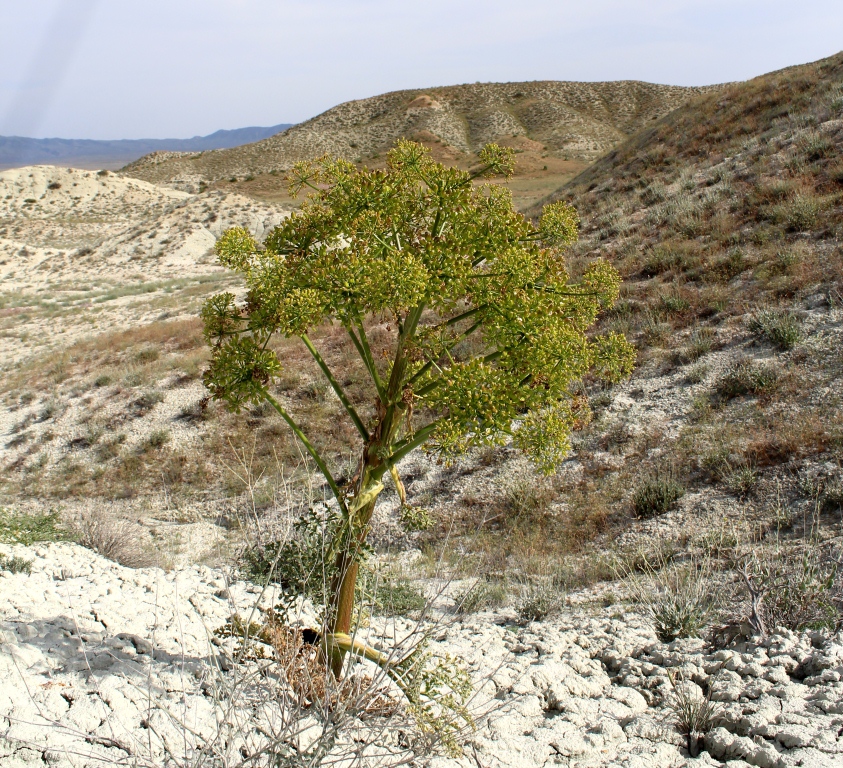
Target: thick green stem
(344,581)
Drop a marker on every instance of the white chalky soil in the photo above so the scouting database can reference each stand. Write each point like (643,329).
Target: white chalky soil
(87,645)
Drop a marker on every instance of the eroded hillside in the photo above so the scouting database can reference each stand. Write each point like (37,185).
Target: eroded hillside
(557,128)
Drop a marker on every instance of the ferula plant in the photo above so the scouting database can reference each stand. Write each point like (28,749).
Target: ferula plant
(440,259)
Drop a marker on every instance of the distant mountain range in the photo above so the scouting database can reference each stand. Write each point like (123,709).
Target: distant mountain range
(17,151)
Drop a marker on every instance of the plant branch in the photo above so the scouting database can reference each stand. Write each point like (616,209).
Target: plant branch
(320,462)
(367,362)
(369,358)
(349,408)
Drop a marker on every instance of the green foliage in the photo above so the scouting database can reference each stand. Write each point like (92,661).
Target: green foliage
(779,327)
(656,496)
(415,518)
(397,597)
(22,528)
(15,564)
(540,601)
(302,563)
(418,236)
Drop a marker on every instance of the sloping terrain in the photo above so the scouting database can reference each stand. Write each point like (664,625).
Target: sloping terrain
(19,151)
(693,541)
(82,251)
(548,122)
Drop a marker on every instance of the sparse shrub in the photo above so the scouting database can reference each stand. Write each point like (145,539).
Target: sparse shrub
(540,601)
(145,403)
(156,439)
(747,378)
(697,374)
(15,564)
(832,494)
(109,449)
(815,146)
(662,259)
(103,380)
(741,480)
(694,711)
(656,496)
(655,332)
(397,597)
(800,214)
(112,537)
(526,497)
(654,193)
(779,327)
(701,343)
(783,262)
(729,266)
(672,304)
(794,589)
(148,355)
(677,597)
(298,563)
(480,596)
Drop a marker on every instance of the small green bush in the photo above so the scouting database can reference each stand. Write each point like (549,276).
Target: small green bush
(677,597)
(397,597)
(540,601)
(480,596)
(779,327)
(155,440)
(15,564)
(747,378)
(21,528)
(741,480)
(656,496)
(299,563)
(800,214)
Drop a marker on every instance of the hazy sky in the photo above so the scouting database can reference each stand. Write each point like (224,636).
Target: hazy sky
(177,68)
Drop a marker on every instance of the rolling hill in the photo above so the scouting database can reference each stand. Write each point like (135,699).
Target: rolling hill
(557,127)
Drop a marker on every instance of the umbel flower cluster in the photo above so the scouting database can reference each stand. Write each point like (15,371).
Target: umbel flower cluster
(444,258)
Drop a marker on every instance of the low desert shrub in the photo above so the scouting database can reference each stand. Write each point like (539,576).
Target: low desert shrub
(296,562)
(746,377)
(525,497)
(656,496)
(796,588)
(677,597)
(694,712)
(480,596)
(779,327)
(15,564)
(800,214)
(741,479)
(540,601)
(112,537)
(397,597)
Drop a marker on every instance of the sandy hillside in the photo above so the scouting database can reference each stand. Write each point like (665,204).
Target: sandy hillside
(82,252)
(561,120)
